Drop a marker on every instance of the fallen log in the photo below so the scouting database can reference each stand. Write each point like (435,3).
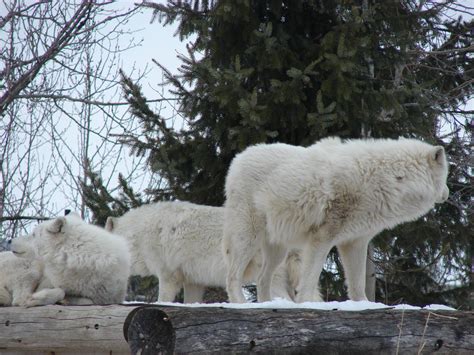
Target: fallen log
(153,329)
(167,330)
(64,329)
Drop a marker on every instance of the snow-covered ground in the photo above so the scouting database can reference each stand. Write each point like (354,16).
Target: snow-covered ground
(328,306)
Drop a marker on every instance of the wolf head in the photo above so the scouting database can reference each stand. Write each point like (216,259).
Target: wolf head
(405,177)
(51,232)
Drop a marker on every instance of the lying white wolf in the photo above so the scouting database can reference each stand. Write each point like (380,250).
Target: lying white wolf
(20,278)
(23,283)
(281,197)
(181,243)
(80,259)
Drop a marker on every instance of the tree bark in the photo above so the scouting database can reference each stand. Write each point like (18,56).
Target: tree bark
(167,330)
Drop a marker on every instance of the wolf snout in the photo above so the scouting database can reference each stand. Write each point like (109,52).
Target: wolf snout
(444,196)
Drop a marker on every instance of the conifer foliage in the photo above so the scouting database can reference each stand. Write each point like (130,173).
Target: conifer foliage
(262,71)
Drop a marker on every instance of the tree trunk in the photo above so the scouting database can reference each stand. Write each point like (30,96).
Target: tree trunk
(370,274)
(167,330)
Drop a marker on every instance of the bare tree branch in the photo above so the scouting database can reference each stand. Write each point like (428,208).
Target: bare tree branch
(60,99)
(71,27)
(23,218)
(85,101)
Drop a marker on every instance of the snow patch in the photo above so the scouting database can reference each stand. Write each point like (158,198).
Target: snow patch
(439,307)
(327,306)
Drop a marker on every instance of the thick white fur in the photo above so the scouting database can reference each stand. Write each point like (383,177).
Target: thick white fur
(330,194)
(19,278)
(181,243)
(23,283)
(83,260)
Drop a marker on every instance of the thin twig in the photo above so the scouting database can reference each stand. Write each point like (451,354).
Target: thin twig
(443,316)
(400,327)
(423,342)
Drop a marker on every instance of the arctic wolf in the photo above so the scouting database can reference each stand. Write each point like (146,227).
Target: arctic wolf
(333,193)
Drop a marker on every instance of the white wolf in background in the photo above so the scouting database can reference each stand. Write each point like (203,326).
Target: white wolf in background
(81,259)
(332,193)
(181,243)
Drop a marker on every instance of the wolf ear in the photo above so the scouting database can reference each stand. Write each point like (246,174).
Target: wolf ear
(109,224)
(57,225)
(437,155)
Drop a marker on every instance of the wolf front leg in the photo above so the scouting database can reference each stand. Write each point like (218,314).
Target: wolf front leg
(353,256)
(314,257)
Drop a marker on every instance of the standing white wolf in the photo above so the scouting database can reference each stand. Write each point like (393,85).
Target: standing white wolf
(181,243)
(81,259)
(330,194)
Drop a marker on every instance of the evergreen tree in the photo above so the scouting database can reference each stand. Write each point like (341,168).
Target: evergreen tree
(297,71)
(102,203)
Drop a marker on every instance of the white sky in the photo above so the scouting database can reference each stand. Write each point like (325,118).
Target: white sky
(157,42)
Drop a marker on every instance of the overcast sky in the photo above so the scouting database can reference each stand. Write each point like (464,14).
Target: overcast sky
(157,42)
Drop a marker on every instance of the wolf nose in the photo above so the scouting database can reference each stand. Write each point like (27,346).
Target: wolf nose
(445,195)
(5,245)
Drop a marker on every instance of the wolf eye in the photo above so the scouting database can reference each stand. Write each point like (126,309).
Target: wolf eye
(399,178)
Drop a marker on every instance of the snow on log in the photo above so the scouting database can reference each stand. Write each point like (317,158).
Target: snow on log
(167,330)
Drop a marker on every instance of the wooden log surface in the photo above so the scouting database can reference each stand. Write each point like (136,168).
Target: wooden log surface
(167,330)
(64,329)
(155,329)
